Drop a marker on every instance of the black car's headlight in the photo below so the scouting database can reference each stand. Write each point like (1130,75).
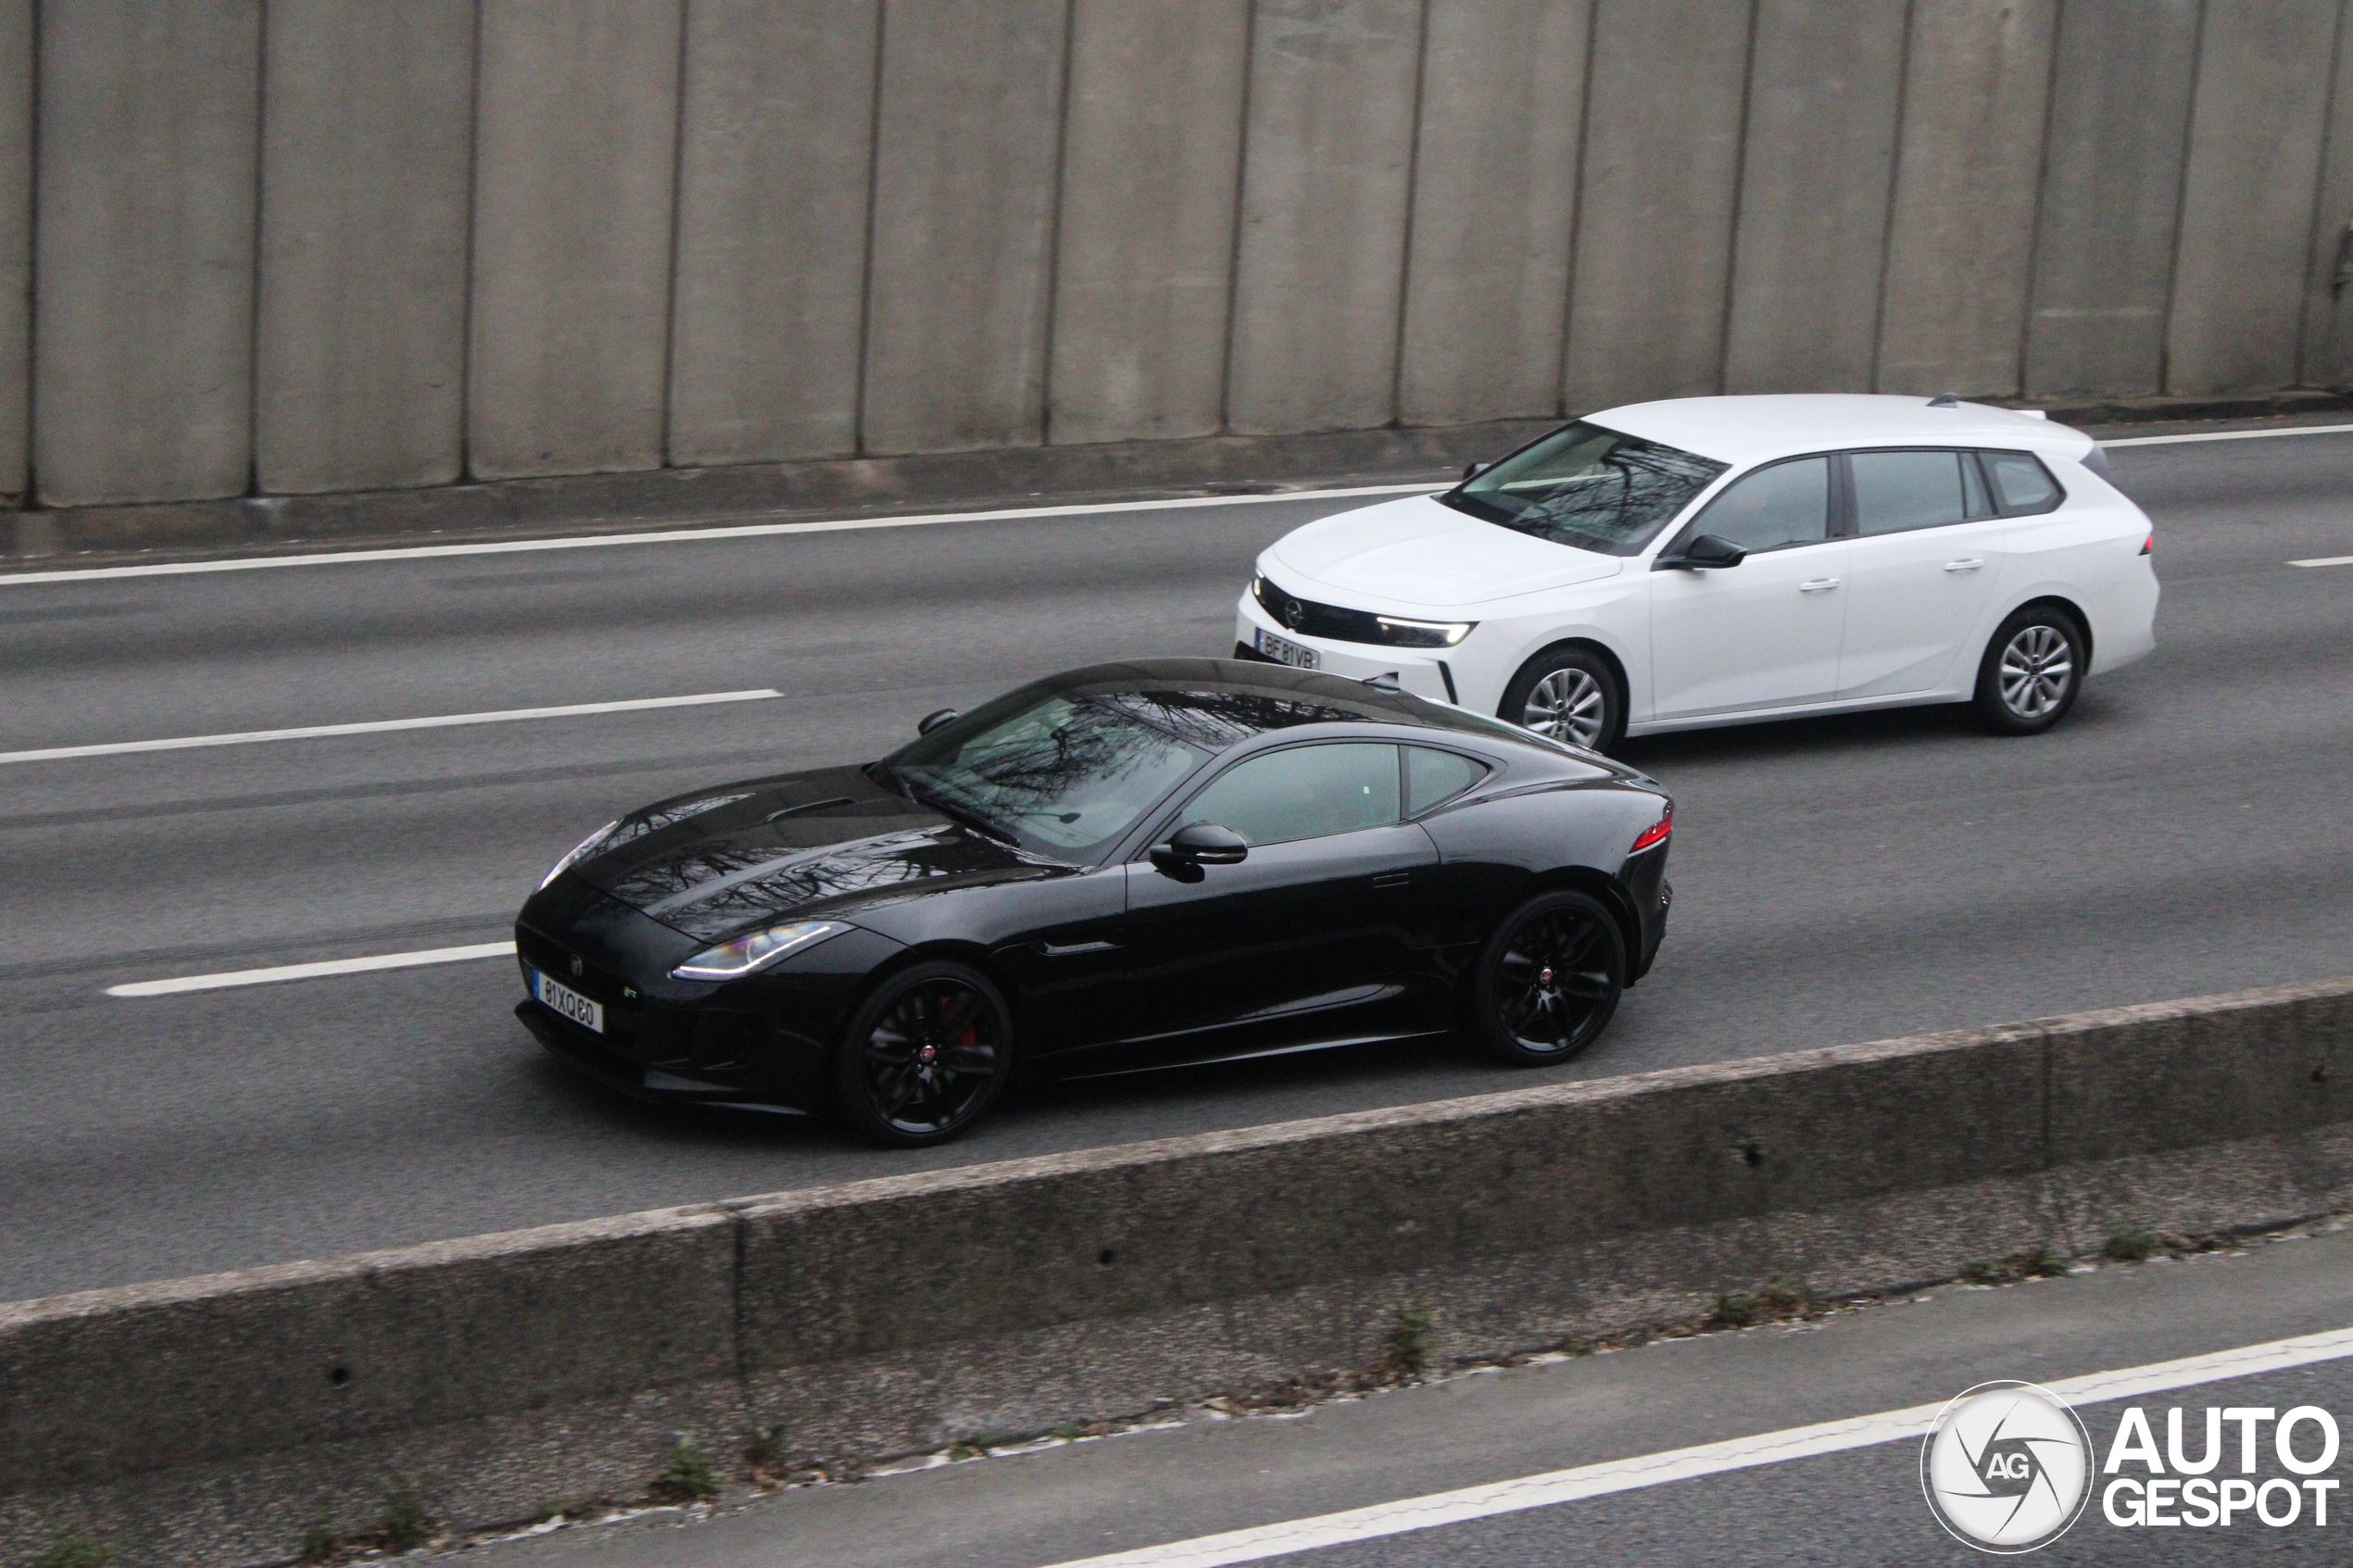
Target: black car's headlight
(1402,633)
(730,960)
(586,848)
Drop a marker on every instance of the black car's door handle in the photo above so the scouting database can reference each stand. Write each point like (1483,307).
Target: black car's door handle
(1392,879)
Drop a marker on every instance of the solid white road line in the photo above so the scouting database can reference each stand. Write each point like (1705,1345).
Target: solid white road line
(684,535)
(2325,560)
(1681,1464)
(373,726)
(2227,435)
(174,986)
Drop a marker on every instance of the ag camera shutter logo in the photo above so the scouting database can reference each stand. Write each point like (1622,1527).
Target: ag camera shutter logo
(2006,1468)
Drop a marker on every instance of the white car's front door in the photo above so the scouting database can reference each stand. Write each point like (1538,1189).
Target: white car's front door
(1922,567)
(1764,633)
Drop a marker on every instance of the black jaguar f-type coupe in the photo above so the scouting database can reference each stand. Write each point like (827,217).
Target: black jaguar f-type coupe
(1122,867)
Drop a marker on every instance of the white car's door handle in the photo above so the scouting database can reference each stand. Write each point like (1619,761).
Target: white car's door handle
(1970,564)
(1817,585)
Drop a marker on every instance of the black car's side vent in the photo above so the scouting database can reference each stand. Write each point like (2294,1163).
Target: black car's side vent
(1317,620)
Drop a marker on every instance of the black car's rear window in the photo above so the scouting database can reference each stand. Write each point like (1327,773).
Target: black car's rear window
(1588,487)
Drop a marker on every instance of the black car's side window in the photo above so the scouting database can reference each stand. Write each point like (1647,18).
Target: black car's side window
(1782,504)
(2022,483)
(1433,777)
(1303,791)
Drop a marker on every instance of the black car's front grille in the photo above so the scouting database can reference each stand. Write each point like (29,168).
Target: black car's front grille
(1312,620)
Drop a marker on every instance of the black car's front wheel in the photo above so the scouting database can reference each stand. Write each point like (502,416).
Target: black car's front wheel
(1548,979)
(924,1056)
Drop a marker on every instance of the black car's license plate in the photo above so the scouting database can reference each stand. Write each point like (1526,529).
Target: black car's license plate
(563,1000)
(1282,650)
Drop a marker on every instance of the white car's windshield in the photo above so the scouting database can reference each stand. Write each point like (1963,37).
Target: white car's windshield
(1588,487)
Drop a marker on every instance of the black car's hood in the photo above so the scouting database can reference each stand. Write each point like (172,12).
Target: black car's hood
(721,861)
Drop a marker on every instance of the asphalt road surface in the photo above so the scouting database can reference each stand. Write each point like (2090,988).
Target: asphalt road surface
(1165,1492)
(2184,832)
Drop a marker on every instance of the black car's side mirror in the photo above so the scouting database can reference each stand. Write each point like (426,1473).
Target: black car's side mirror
(1707,553)
(1196,845)
(931,722)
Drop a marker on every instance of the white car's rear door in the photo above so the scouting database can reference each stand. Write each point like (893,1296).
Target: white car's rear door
(1764,633)
(1925,558)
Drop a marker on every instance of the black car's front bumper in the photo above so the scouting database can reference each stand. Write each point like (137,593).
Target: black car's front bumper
(765,1042)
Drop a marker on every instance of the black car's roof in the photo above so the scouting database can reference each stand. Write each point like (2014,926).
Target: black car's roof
(1262,698)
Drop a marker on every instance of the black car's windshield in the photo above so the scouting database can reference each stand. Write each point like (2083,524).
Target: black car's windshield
(1589,488)
(1068,770)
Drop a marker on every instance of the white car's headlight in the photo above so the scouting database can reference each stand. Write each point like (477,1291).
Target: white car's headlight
(756,951)
(1399,632)
(586,847)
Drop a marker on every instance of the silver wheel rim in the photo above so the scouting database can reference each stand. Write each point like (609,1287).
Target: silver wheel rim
(2036,669)
(1566,705)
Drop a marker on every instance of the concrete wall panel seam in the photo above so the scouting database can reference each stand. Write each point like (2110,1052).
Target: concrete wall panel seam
(1655,203)
(1740,197)
(1241,201)
(2109,205)
(1817,170)
(361,240)
(867,250)
(968,142)
(573,236)
(1895,175)
(2321,357)
(1323,228)
(1054,223)
(2164,380)
(2251,175)
(2320,193)
(150,112)
(686,14)
(1500,110)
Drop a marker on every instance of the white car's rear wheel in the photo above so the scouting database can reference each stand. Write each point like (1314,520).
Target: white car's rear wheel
(2032,668)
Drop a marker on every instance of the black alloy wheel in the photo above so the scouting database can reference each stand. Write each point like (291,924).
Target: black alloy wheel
(1567,693)
(1548,979)
(2032,668)
(924,1056)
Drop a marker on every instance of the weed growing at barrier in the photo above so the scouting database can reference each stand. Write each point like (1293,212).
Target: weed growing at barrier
(686,1477)
(2131,1246)
(74,1549)
(319,1542)
(764,1458)
(406,1523)
(1411,1339)
(1777,1302)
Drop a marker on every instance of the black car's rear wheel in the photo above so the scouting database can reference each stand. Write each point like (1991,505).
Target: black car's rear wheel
(924,1056)
(1548,979)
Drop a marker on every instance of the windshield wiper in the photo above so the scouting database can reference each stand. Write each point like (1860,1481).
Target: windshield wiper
(964,814)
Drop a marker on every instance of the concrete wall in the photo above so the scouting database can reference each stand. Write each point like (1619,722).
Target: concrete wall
(776,145)
(305,248)
(213,1421)
(366,165)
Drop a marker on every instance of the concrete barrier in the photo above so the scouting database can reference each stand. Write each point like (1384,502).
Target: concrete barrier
(215,1420)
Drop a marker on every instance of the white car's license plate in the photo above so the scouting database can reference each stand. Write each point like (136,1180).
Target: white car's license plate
(1282,650)
(572,1004)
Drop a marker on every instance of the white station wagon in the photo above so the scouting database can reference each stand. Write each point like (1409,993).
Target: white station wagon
(1719,561)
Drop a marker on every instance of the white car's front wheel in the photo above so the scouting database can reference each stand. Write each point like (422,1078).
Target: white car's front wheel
(1567,693)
